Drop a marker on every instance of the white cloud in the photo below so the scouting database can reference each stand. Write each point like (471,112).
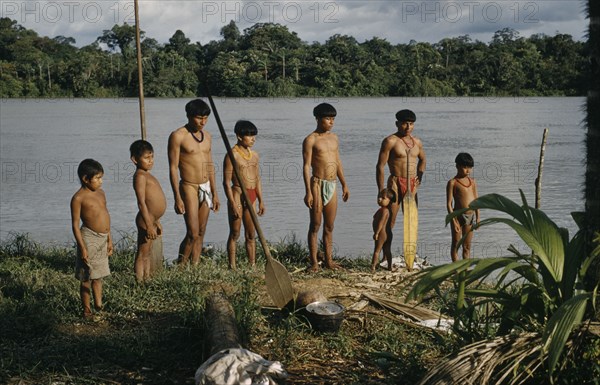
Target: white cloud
(396,21)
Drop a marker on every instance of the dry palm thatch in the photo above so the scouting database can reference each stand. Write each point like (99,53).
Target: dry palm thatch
(504,360)
(412,312)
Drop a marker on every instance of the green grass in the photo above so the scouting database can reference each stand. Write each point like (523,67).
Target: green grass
(155,333)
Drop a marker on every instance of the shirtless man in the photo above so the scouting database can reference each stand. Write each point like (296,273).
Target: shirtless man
(192,177)
(320,153)
(396,150)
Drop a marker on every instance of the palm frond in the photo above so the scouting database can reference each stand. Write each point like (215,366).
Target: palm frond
(560,326)
(497,361)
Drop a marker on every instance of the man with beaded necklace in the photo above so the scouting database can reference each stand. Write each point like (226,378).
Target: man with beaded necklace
(404,154)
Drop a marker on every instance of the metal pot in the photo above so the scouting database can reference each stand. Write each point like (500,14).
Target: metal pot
(325,316)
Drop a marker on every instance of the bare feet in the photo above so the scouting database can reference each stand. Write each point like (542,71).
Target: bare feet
(313,268)
(332,265)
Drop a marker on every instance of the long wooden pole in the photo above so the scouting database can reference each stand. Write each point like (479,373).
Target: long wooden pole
(538,180)
(138,47)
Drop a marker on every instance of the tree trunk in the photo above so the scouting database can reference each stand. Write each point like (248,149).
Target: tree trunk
(592,172)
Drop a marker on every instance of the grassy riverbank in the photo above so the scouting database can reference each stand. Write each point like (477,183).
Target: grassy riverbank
(155,333)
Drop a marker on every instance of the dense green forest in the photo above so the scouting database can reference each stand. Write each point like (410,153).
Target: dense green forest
(270,60)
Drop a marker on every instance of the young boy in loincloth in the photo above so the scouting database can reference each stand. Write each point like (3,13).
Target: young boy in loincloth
(321,158)
(152,204)
(192,178)
(237,210)
(460,192)
(380,220)
(94,242)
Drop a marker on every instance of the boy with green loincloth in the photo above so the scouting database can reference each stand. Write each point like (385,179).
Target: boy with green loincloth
(237,210)
(152,204)
(321,157)
(460,192)
(94,242)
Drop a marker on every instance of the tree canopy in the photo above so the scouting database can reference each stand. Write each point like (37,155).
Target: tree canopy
(268,59)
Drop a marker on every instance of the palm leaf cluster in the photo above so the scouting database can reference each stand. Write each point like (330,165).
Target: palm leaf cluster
(535,302)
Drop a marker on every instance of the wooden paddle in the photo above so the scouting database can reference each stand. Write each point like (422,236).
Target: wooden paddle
(411,220)
(277,278)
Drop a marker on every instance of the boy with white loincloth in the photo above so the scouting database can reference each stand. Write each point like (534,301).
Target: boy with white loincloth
(192,177)
(320,153)
(238,212)
(94,242)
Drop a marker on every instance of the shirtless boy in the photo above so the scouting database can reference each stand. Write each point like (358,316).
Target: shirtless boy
(396,150)
(237,210)
(380,220)
(94,242)
(460,192)
(320,153)
(152,204)
(192,178)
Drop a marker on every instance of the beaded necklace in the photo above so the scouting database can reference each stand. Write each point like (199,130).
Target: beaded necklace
(239,151)
(412,140)
(462,184)
(194,136)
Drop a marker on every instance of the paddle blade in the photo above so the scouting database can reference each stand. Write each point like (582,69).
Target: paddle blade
(411,227)
(278,282)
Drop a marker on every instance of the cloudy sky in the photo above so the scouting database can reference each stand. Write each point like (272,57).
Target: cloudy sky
(395,21)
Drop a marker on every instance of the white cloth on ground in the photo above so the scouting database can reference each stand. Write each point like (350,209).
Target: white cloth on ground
(239,366)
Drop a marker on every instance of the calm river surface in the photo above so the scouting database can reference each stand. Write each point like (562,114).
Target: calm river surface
(42,142)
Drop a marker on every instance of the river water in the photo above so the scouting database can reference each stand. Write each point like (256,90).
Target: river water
(42,142)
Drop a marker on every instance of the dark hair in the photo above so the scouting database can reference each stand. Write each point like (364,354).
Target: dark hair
(406,116)
(139,147)
(89,168)
(464,159)
(387,193)
(324,110)
(245,128)
(197,107)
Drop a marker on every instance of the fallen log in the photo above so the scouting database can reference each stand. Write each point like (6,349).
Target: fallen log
(229,363)
(222,328)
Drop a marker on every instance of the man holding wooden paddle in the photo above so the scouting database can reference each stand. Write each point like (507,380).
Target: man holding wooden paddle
(405,157)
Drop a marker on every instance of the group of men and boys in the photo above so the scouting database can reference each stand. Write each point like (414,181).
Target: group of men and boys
(192,179)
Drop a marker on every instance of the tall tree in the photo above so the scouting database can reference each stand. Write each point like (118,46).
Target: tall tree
(592,172)
(121,37)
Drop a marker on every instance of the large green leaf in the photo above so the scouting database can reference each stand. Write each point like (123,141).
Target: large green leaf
(551,241)
(560,326)
(499,203)
(434,276)
(540,247)
(484,267)
(574,256)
